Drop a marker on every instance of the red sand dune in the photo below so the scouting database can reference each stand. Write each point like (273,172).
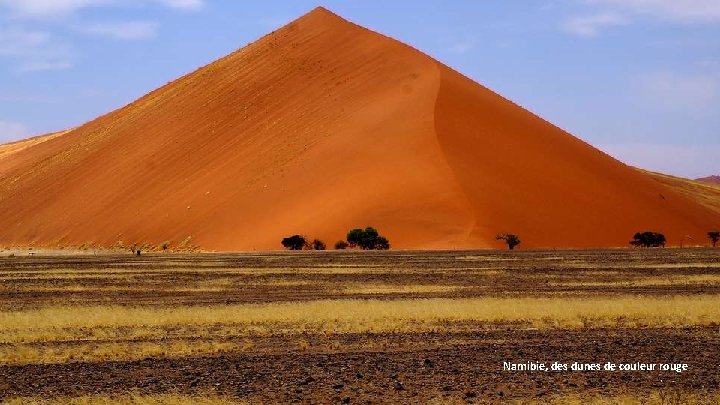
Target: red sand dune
(319,127)
(710,179)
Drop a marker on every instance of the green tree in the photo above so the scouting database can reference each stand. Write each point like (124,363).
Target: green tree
(512,240)
(367,239)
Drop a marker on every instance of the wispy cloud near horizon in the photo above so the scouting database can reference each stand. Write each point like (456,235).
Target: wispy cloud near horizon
(123,30)
(63,8)
(590,25)
(687,11)
(608,13)
(33,50)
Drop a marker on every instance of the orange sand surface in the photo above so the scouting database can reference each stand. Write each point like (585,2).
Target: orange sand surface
(8,149)
(320,127)
(707,194)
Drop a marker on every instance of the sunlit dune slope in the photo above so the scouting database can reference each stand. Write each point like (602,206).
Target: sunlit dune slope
(8,149)
(319,127)
(707,194)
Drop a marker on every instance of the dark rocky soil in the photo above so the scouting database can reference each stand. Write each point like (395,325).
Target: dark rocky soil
(416,368)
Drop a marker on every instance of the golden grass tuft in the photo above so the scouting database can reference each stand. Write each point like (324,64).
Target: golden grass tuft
(377,315)
(100,333)
(669,280)
(374,289)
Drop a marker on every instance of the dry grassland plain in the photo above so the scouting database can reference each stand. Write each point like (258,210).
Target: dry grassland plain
(358,327)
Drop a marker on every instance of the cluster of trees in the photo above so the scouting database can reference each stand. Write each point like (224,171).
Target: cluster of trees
(365,239)
(648,239)
(370,239)
(655,239)
(298,242)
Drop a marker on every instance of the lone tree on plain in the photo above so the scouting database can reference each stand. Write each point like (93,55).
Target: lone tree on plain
(317,244)
(648,239)
(295,242)
(512,240)
(714,237)
(367,239)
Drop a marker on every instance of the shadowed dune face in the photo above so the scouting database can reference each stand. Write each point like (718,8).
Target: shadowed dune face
(316,128)
(527,176)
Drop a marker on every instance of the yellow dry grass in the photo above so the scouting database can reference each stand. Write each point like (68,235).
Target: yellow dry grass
(379,315)
(704,193)
(694,279)
(659,310)
(129,399)
(630,266)
(374,289)
(341,316)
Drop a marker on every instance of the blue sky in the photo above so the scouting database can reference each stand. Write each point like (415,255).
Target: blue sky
(639,79)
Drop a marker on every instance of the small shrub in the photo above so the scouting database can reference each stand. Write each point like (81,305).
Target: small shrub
(317,244)
(165,245)
(341,245)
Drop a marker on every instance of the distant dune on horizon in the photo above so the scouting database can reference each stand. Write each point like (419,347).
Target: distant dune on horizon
(320,127)
(710,179)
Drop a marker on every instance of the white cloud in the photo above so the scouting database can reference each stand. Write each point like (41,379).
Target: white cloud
(689,11)
(683,92)
(33,50)
(42,65)
(17,42)
(589,26)
(690,161)
(130,30)
(60,8)
(12,130)
(48,8)
(461,47)
(183,4)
